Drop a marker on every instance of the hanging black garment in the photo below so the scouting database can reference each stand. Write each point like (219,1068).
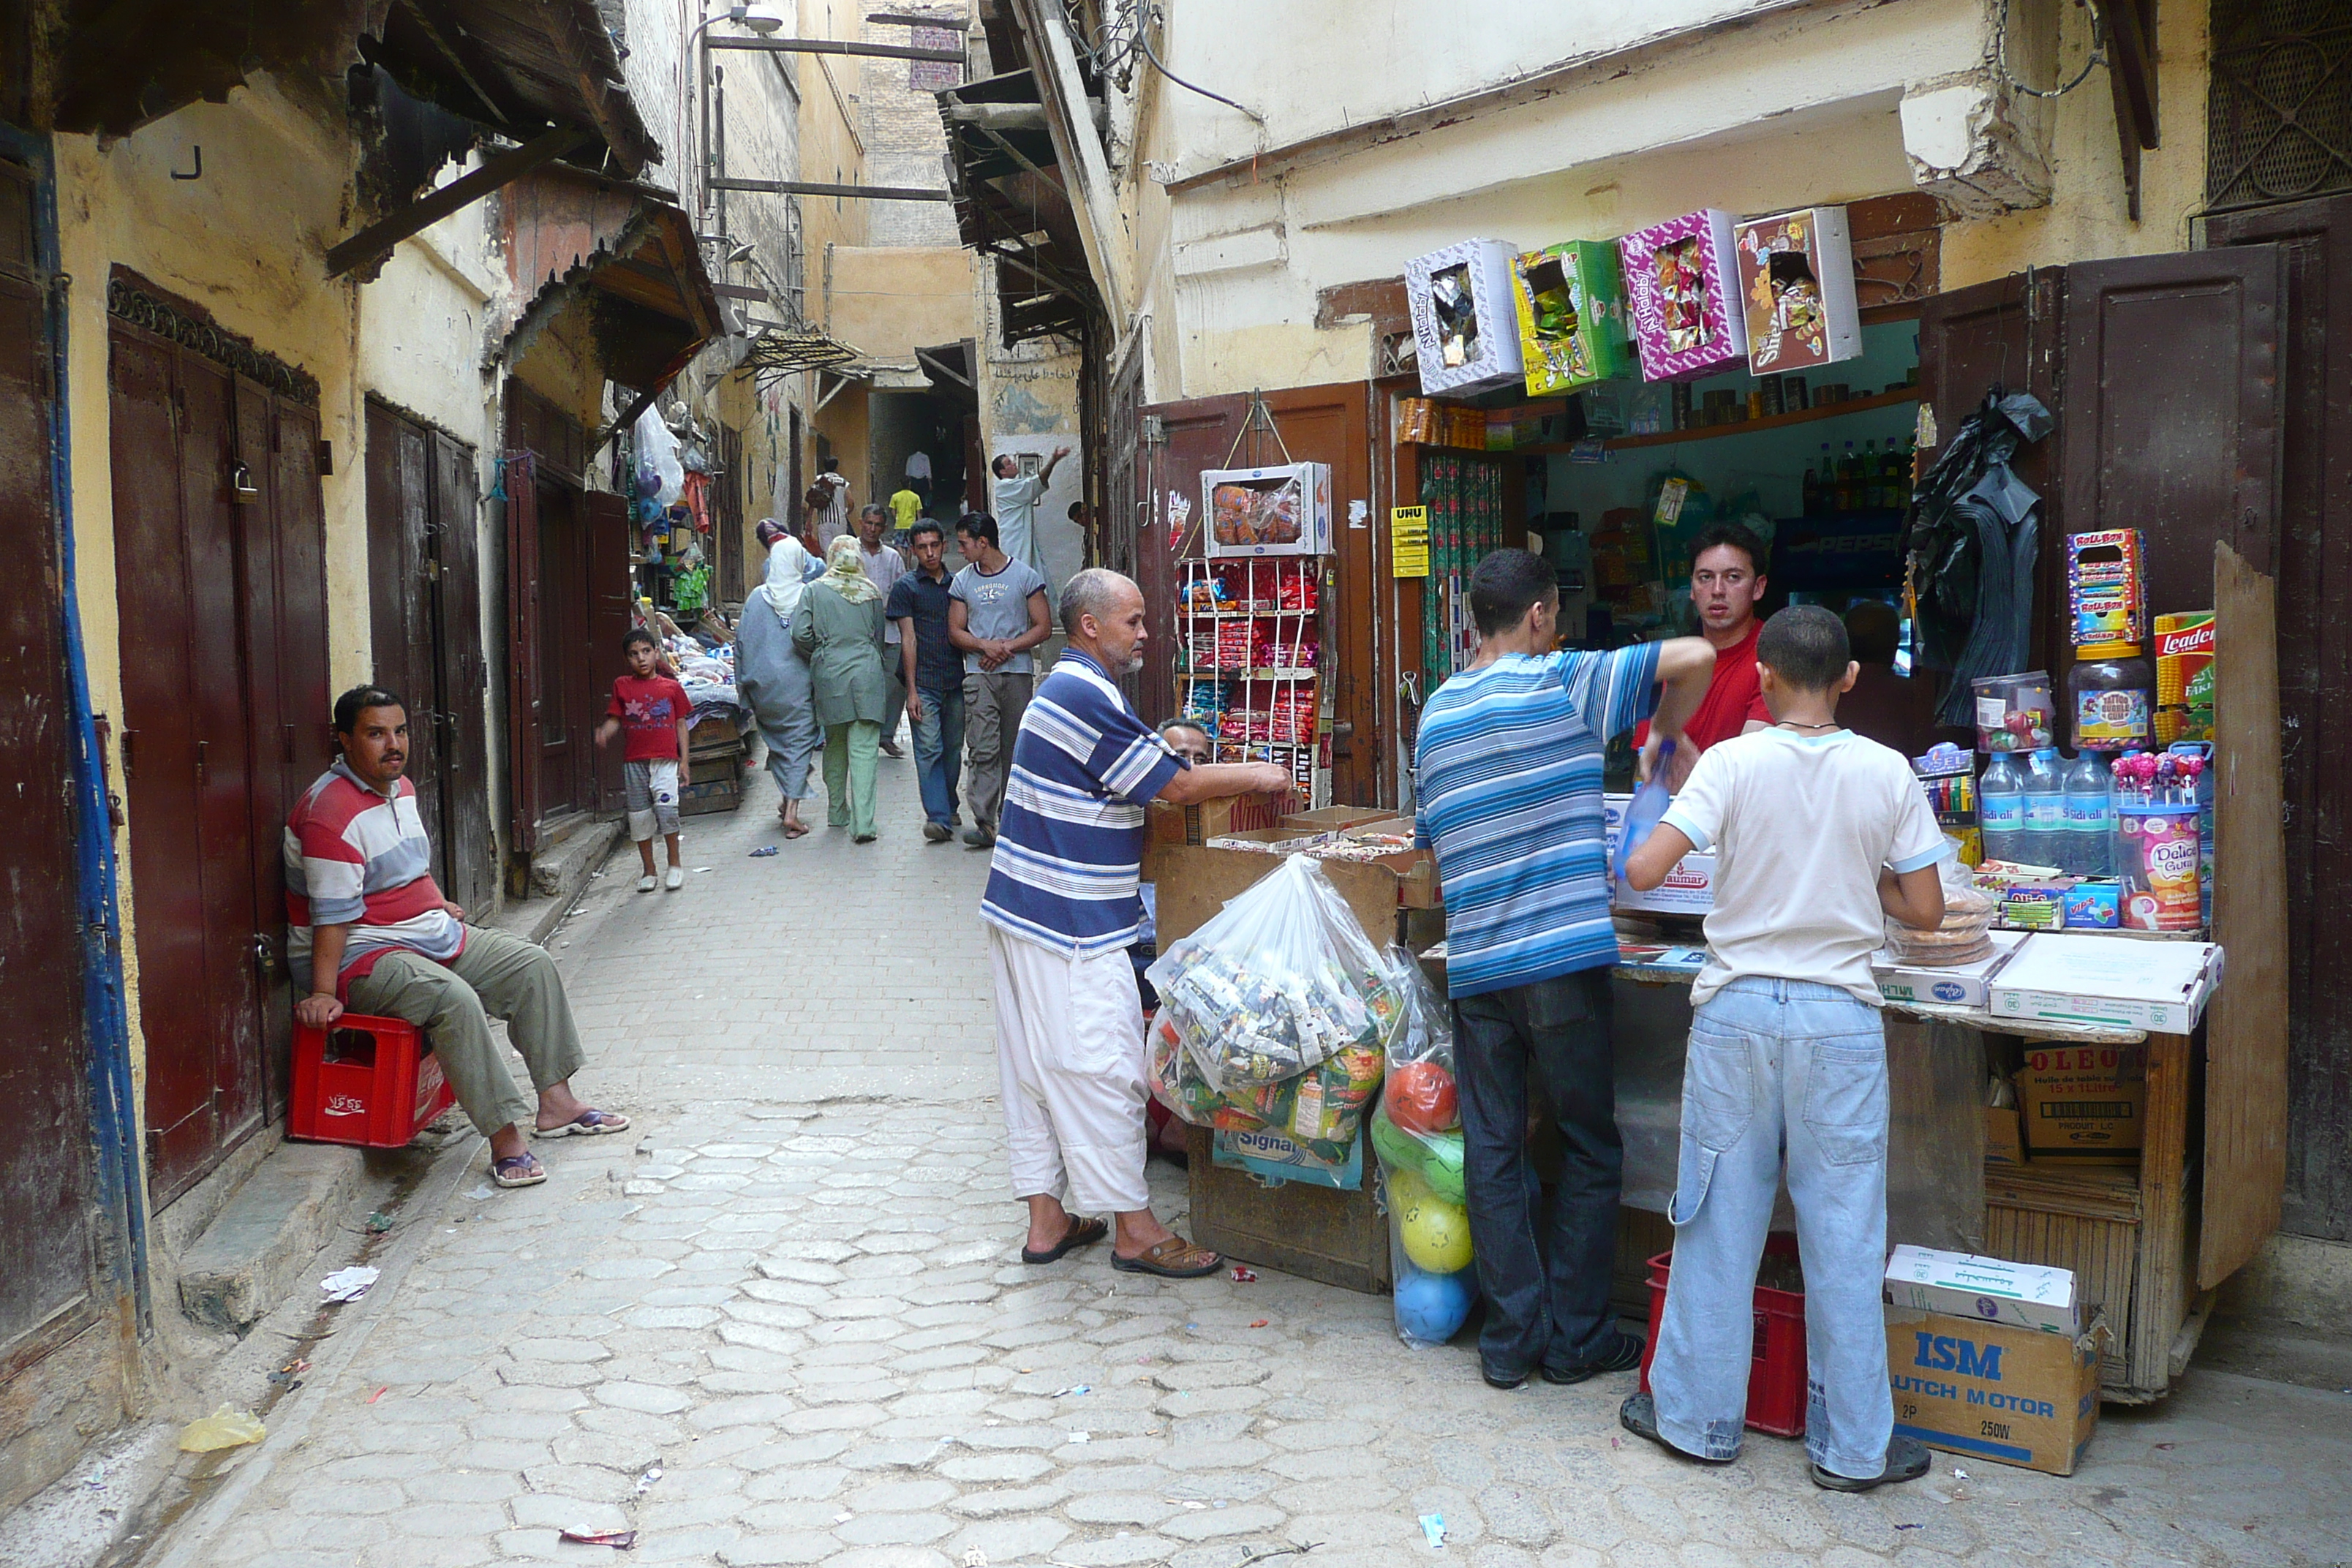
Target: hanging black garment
(1971,549)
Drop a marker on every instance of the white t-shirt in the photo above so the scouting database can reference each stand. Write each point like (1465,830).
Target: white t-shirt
(1801,827)
(884,568)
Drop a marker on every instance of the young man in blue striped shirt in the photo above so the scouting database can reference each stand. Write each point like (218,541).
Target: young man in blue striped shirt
(1508,774)
(1062,911)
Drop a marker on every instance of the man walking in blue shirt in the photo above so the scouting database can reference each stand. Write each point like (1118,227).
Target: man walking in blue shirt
(1508,768)
(1062,911)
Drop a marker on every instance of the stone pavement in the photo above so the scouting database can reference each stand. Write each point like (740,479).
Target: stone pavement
(783,1321)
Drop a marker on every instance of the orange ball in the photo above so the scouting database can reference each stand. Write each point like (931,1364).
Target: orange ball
(1420,1099)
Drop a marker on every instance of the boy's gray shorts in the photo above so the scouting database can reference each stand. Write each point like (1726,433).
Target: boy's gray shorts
(652,793)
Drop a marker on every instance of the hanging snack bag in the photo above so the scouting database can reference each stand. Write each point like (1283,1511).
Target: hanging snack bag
(1281,980)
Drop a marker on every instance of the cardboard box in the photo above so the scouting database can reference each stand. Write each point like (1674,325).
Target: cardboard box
(1463,325)
(1338,818)
(2030,1296)
(1992,1391)
(2004,1136)
(1570,300)
(1285,510)
(1682,282)
(1415,869)
(1689,888)
(1949,985)
(1796,285)
(2110,981)
(1198,824)
(2083,1104)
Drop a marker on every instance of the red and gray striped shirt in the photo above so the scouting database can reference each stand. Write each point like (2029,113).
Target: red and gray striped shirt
(358,857)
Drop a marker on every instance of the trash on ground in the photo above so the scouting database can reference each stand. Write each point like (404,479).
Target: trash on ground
(623,1540)
(350,1284)
(761,853)
(1245,1276)
(224,1428)
(975,1558)
(701,868)
(1433,1525)
(842,1518)
(480,1193)
(645,1482)
(378,1393)
(1910,1527)
(1258,1322)
(378,1223)
(1081,1436)
(1074,1388)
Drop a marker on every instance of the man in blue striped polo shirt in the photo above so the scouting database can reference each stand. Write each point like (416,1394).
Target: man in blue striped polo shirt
(1062,911)
(1508,774)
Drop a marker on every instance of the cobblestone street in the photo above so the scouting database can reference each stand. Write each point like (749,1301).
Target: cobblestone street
(783,1321)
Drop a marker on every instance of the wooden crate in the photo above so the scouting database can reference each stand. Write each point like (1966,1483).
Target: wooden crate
(724,795)
(2086,1219)
(1316,1233)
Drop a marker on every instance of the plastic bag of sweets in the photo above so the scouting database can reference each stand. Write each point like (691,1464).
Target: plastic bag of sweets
(1419,1091)
(1280,980)
(1322,1109)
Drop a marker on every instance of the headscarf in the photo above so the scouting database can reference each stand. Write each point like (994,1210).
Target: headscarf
(787,566)
(845,572)
(769,531)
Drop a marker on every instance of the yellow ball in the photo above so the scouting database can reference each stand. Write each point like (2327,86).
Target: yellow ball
(1436,1235)
(1407,1188)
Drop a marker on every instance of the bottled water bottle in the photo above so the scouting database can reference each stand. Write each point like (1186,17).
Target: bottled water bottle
(2091,815)
(2045,809)
(2000,808)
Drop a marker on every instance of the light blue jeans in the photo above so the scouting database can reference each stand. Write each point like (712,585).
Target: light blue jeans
(1780,1069)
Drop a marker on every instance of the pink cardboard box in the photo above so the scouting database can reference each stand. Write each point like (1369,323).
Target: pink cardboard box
(1682,278)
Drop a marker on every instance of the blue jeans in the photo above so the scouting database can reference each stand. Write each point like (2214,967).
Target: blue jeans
(1547,1300)
(1780,1069)
(938,751)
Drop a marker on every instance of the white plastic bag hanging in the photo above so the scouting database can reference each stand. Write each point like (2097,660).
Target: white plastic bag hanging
(1276,983)
(655,445)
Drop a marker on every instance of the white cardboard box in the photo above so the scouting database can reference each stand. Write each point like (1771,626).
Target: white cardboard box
(1689,888)
(1288,511)
(1951,986)
(1486,270)
(2117,982)
(1989,1289)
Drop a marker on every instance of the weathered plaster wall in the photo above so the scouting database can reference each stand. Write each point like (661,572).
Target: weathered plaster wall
(888,301)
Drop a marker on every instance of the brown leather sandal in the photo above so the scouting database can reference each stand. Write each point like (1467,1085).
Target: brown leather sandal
(1081,1233)
(1174,1258)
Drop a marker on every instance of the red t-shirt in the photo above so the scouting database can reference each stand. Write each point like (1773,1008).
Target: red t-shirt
(1733,696)
(649,711)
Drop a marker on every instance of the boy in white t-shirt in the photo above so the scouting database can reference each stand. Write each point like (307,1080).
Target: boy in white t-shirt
(1818,834)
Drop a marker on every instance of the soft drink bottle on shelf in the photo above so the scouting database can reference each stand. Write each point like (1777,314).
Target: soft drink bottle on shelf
(2000,808)
(2045,809)
(2090,816)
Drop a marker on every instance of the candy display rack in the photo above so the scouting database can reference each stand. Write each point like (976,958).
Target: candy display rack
(1249,654)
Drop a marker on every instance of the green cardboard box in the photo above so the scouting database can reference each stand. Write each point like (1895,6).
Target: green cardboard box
(1571,300)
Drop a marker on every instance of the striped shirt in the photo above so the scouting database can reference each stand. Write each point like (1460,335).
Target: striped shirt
(1069,841)
(1507,770)
(357,857)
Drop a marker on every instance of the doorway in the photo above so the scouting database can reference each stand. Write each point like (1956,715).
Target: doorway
(221,584)
(424,593)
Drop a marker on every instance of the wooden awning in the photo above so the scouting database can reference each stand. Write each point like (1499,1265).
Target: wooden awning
(1012,206)
(576,242)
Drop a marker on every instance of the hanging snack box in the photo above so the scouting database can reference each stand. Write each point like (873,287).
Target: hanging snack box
(1461,299)
(1680,280)
(1281,511)
(1571,304)
(1796,282)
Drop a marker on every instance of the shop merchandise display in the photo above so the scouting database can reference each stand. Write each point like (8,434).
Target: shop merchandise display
(2184,677)
(1681,279)
(1570,300)
(2106,594)
(2015,712)
(1278,981)
(1280,511)
(2158,845)
(2111,693)
(1462,316)
(1796,285)
(1249,657)
(1463,495)
(1320,1110)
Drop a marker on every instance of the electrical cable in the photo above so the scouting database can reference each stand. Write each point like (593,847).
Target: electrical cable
(1145,45)
(2000,52)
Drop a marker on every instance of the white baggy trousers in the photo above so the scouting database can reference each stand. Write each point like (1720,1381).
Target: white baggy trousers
(1069,1048)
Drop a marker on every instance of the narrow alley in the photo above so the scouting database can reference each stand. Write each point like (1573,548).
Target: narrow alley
(782,1322)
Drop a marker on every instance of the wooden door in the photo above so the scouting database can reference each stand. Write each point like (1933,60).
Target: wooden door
(2172,424)
(470,848)
(47,1284)
(400,570)
(526,688)
(567,777)
(2314,630)
(606,591)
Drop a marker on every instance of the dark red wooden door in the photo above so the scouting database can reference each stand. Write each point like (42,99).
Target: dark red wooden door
(524,686)
(46,1285)
(567,776)
(400,570)
(607,591)
(468,846)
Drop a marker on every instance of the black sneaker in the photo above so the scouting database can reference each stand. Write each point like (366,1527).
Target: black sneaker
(938,832)
(1623,1355)
(1639,1416)
(1502,1380)
(1906,1460)
(980,838)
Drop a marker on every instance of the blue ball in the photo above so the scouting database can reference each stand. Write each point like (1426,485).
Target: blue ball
(1430,1308)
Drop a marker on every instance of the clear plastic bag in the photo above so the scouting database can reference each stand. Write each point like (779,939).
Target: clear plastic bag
(1278,982)
(1322,1109)
(1435,1282)
(1966,934)
(1418,1091)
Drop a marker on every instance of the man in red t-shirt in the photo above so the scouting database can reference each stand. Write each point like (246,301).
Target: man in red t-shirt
(655,712)
(1727,582)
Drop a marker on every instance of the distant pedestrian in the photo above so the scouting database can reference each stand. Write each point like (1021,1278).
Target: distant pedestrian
(1061,910)
(884,566)
(654,711)
(997,615)
(827,500)
(933,673)
(906,510)
(772,676)
(839,631)
(1015,497)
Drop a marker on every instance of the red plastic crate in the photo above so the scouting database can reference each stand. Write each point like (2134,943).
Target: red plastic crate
(1776,1377)
(369,1081)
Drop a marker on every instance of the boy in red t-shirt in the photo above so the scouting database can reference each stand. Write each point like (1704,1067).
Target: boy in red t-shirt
(655,710)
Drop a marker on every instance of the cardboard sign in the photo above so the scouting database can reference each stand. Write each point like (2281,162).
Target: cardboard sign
(1408,542)
(2010,1395)
(2087,1104)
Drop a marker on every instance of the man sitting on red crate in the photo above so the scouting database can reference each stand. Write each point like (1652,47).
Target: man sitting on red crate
(367,927)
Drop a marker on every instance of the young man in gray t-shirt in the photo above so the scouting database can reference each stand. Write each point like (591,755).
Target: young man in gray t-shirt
(996,614)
